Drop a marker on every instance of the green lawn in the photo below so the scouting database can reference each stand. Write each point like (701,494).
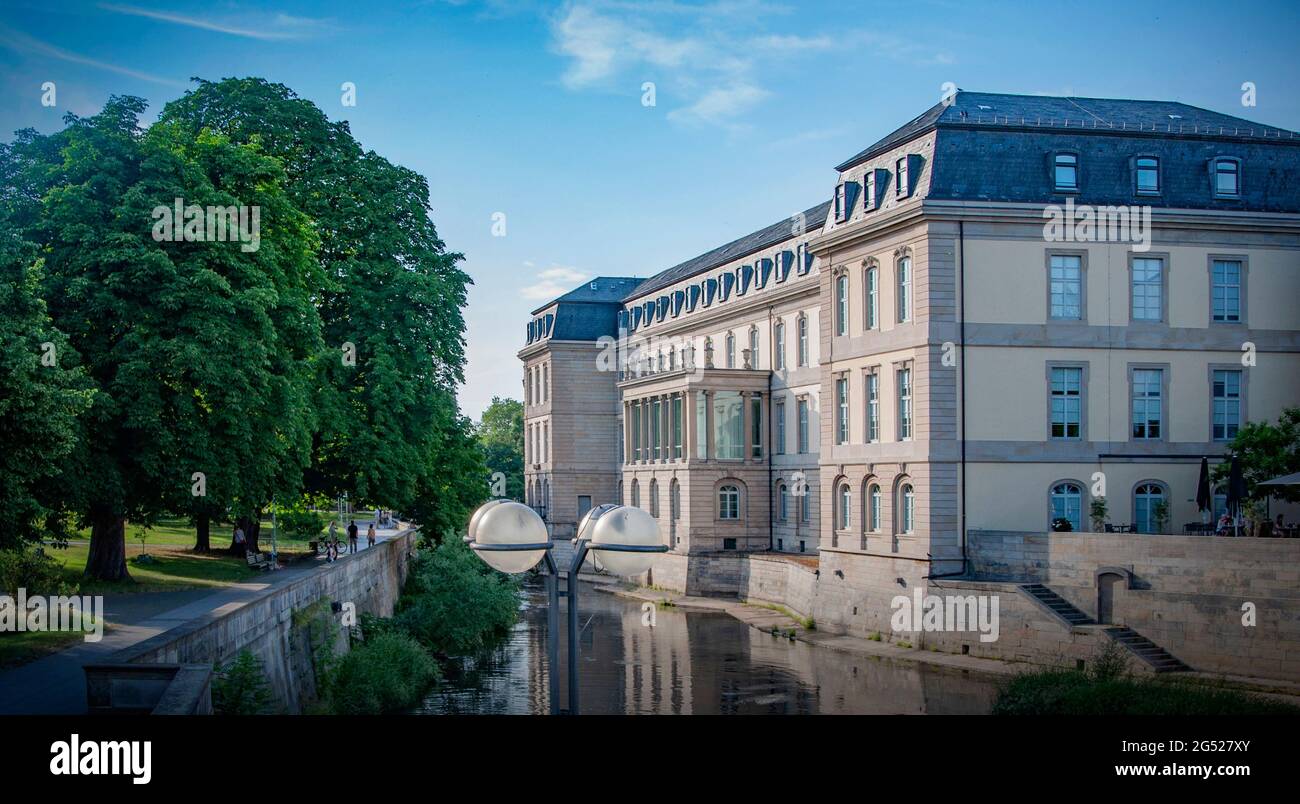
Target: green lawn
(174,568)
(178,531)
(20,647)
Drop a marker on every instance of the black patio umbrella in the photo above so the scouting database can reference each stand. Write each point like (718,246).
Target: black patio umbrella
(1204,502)
(1236,491)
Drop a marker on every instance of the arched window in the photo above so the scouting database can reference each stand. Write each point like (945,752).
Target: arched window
(753,347)
(805,510)
(654,498)
(906,509)
(872,282)
(843,507)
(842,304)
(904,289)
(783,496)
(675,500)
(636,494)
(1150,511)
(731,350)
(803,341)
(1067,503)
(728,502)
(779,347)
(873,508)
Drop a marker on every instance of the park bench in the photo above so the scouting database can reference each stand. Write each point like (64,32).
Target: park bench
(258,560)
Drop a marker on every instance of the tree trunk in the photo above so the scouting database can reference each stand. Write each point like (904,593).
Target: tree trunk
(107,558)
(202,533)
(250,525)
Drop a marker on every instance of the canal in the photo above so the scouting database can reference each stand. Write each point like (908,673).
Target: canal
(695,663)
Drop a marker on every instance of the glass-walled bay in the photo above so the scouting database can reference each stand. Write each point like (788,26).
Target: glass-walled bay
(695,663)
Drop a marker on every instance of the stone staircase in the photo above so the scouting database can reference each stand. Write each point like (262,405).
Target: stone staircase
(1057,606)
(1152,655)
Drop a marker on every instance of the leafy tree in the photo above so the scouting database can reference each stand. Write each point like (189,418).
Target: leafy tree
(454,603)
(501,435)
(390,302)
(199,352)
(240,688)
(43,393)
(1266,451)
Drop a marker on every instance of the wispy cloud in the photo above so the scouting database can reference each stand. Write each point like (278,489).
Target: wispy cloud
(269,27)
(710,59)
(21,42)
(553,282)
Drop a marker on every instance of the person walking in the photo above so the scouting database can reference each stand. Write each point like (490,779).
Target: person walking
(352,536)
(370,535)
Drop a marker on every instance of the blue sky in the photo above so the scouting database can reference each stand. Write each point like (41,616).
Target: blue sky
(535,109)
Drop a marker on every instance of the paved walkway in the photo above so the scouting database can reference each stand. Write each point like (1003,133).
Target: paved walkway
(56,685)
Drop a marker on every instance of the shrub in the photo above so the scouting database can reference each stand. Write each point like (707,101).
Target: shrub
(240,688)
(389,672)
(32,569)
(300,522)
(1107,688)
(454,604)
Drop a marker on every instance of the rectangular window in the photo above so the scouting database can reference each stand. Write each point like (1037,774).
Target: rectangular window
(842,305)
(842,410)
(805,510)
(1067,403)
(1225,291)
(869,190)
(753,349)
(636,431)
(728,426)
(841,207)
(779,346)
(677,426)
(904,290)
(873,298)
(873,407)
(1227,404)
(655,421)
(901,186)
(803,340)
(756,426)
(802,413)
(1148,289)
(778,411)
(1065,174)
(1148,414)
(1148,175)
(701,426)
(1066,286)
(904,404)
(1227,178)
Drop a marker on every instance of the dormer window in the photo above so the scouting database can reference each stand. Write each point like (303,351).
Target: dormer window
(873,181)
(1226,175)
(1065,173)
(841,203)
(901,185)
(1147,175)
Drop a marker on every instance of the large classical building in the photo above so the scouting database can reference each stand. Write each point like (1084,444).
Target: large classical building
(1010,308)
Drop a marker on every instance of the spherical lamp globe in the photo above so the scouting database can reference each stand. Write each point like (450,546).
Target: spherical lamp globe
(508,522)
(471,531)
(625,525)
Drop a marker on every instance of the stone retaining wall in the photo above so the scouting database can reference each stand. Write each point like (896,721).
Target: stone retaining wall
(371,580)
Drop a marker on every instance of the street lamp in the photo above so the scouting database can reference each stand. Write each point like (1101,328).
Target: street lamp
(512,538)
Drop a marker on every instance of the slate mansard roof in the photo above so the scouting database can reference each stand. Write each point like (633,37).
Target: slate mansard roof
(766,237)
(1140,118)
(584,313)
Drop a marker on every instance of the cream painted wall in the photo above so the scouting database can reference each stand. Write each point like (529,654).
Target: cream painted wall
(1006,281)
(1007,390)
